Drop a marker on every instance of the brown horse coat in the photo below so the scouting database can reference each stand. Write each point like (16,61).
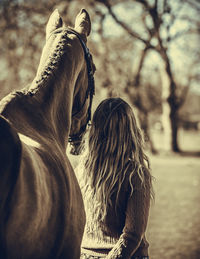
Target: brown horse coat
(41,208)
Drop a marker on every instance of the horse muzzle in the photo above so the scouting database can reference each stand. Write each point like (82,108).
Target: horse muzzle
(76,147)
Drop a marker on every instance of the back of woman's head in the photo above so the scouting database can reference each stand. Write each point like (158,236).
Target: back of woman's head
(114,129)
(115,141)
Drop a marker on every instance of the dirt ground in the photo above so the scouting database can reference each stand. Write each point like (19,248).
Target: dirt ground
(174,223)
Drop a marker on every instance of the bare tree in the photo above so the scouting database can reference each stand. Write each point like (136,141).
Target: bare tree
(163,17)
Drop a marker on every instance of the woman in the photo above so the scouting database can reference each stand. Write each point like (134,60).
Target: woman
(116,185)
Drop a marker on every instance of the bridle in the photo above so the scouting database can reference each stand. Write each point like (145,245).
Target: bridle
(90,90)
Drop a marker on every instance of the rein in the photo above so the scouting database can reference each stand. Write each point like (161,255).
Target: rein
(90,90)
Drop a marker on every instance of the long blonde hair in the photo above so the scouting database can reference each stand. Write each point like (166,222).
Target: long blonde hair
(114,142)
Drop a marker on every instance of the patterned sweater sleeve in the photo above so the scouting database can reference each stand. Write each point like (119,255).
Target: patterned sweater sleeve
(137,213)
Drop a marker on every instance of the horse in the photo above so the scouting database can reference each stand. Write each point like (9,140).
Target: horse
(41,208)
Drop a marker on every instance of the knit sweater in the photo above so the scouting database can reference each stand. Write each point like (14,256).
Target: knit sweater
(123,233)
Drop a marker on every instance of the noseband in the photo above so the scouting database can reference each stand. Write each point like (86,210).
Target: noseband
(90,90)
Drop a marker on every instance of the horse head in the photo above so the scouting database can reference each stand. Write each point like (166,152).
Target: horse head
(83,80)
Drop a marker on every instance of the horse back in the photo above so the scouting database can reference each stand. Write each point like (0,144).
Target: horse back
(41,212)
(10,157)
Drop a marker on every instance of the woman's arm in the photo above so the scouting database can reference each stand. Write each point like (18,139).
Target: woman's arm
(135,225)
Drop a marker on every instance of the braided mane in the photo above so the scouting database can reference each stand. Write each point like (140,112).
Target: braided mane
(52,64)
(47,73)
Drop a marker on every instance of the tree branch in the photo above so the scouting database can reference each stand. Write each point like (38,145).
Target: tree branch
(122,24)
(138,73)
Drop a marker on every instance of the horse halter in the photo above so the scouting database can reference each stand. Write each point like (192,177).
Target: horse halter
(90,90)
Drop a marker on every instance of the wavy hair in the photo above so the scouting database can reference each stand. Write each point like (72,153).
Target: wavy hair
(114,142)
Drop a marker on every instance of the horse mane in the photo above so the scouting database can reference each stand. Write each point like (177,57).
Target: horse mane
(51,65)
(43,78)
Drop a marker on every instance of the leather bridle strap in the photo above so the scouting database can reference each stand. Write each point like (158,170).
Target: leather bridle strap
(90,90)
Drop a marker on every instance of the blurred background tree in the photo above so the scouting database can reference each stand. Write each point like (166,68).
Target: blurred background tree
(146,51)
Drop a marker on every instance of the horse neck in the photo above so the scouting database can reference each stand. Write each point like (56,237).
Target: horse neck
(56,101)
(46,114)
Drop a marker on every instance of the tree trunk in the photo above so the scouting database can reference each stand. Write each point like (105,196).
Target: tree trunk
(144,123)
(173,103)
(165,118)
(174,127)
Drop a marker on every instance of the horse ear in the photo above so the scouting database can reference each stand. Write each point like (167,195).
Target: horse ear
(54,22)
(83,23)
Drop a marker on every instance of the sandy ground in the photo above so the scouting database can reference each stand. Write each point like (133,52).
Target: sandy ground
(174,223)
